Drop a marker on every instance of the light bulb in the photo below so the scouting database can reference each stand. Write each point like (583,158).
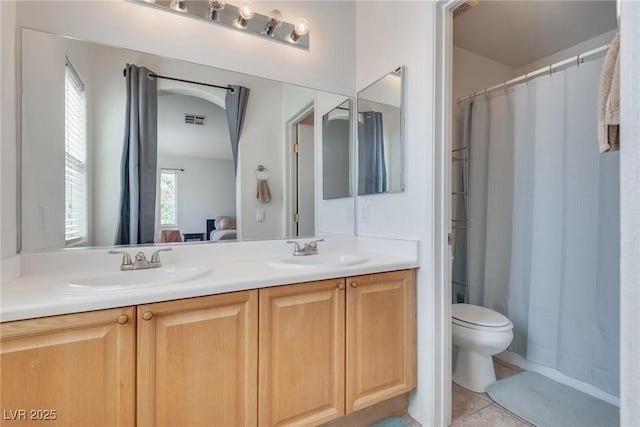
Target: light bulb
(246,12)
(300,28)
(179,5)
(275,20)
(215,6)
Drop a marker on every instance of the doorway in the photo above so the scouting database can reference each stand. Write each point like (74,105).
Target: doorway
(301,146)
(454,177)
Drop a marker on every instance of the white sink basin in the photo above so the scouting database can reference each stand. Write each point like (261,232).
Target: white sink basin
(320,260)
(133,279)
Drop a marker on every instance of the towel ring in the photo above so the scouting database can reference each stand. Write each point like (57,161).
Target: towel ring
(262,172)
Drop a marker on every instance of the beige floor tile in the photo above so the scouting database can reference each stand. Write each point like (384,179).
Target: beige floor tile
(490,416)
(465,402)
(504,369)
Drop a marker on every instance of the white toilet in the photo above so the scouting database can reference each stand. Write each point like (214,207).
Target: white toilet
(478,333)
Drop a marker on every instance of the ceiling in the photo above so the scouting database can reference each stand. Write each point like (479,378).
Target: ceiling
(517,33)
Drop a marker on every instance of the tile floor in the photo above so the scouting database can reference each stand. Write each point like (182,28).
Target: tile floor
(469,409)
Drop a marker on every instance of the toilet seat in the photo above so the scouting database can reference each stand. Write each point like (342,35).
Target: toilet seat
(479,318)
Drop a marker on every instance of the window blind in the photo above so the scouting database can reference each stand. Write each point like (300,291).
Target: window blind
(75,145)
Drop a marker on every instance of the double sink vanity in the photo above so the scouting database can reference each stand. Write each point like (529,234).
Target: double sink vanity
(219,335)
(234,333)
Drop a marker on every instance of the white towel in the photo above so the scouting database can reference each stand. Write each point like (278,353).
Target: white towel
(609,99)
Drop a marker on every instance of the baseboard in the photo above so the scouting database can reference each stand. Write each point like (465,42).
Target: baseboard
(554,374)
(395,407)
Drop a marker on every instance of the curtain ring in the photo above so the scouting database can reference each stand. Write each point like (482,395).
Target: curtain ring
(550,69)
(579,60)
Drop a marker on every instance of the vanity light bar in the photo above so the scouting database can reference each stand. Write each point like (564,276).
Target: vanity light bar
(270,27)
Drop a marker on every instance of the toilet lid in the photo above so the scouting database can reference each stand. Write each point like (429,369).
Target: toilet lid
(477,315)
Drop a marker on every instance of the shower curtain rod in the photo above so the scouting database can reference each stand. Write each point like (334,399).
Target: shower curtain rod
(578,59)
(158,76)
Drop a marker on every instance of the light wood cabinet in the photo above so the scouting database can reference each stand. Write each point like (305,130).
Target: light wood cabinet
(197,361)
(301,376)
(381,352)
(70,370)
(324,349)
(303,347)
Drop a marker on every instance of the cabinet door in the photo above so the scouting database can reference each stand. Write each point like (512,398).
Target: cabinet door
(70,370)
(301,379)
(380,337)
(197,361)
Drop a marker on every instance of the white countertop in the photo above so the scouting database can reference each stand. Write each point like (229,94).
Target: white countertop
(38,295)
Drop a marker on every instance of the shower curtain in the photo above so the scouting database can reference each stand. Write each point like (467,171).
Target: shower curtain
(372,157)
(544,222)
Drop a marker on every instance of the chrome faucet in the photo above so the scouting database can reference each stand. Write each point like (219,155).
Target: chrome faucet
(141,261)
(310,248)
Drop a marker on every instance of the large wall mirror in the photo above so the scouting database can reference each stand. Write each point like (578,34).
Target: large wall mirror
(380,136)
(74,165)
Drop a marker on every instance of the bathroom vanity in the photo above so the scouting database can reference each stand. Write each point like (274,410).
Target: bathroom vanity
(283,352)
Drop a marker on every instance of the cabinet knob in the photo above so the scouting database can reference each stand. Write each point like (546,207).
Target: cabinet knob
(354,284)
(341,286)
(123,319)
(147,315)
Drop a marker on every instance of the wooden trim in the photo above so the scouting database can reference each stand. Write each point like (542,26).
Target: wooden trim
(395,407)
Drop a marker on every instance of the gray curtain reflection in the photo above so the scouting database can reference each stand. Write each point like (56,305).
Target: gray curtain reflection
(236,107)
(372,160)
(136,223)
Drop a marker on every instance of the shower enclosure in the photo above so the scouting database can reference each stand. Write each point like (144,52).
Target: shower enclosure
(536,221)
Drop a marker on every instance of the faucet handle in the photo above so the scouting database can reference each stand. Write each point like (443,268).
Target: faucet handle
(126,259)
(314,243)
(155,258)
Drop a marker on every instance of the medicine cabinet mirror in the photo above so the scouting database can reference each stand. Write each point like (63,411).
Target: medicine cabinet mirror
(380,136)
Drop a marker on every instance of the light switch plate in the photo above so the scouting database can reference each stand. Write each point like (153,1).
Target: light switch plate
(260,215)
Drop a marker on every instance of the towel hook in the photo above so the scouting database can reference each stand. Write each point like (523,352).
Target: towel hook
(262,172)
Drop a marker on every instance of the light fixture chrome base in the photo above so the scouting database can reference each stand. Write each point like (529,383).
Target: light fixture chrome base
(228,17)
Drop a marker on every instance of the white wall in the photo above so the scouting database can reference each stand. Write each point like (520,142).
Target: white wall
(563,54)
(206,189)
(630,215)
(473,72)
(389,34)
(177,138)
